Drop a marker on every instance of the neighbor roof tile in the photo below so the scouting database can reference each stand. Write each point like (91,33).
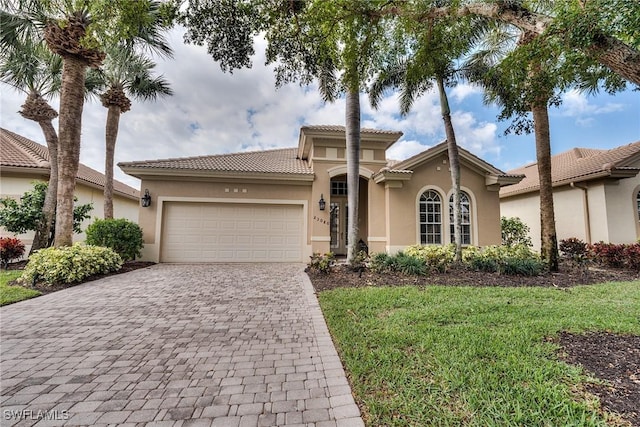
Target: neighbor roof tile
(577,164)
(21,152)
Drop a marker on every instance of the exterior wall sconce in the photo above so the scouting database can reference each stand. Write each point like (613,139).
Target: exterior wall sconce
(322,203)
(145,200)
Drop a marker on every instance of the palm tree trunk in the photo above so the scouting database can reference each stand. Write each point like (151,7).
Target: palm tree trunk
(549,240)
(454,168)
(42,238)
(70,126)
(352,131)
(111,135)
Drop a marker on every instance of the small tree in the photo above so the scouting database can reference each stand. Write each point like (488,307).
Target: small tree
(25,215)
(514,232)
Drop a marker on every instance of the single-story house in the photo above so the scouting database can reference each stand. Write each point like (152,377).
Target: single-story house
(596,195)
(23,161)
(285,204)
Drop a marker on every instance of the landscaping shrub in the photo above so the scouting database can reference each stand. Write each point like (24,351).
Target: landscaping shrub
(121,235)
(381,262)
(632,256)
(573,247)
(435,258)
(70,264)
(513,260)
(514,232)
(616,255)
(11,249)
(322,263)
(410,264)
(608,254)
(359,261)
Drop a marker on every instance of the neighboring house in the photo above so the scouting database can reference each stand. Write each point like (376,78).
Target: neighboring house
(596,195)
(285,204)
(23,161)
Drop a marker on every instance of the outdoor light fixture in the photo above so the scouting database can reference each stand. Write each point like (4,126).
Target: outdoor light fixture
(322,203)
(146,199)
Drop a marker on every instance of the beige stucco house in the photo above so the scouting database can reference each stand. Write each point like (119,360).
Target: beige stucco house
(266,205)
(23,161)
(596,195)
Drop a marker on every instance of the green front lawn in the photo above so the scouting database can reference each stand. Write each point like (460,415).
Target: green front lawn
(11,294)
(463,356)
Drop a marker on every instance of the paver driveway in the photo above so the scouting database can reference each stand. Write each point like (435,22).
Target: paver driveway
(179,345)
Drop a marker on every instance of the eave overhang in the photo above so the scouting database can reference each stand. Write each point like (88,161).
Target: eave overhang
(160,173)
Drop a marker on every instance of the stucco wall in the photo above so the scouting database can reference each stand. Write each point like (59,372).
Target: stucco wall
(16,186)
(595,211)
(403,204)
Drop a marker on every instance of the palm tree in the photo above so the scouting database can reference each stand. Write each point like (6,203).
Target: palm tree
(124,73)
(520,84)
(70,31)
(32,69)
(431,60)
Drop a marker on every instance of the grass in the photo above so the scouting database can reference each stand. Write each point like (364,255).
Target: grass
(463,356)
(11,294)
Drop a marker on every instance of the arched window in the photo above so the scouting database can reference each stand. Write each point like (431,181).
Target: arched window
(465,208)
(430,215)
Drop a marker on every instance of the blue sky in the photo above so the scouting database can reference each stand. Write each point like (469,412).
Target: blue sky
(212,112)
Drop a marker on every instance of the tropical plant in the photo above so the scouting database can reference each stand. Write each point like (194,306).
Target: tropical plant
(125,74)
(430,60)
(32,69)
(10,249)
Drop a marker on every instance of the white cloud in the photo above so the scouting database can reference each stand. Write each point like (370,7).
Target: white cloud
(576,104)
(463,90)
(402,149)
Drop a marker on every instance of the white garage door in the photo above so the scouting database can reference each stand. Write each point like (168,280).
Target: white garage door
(231,232)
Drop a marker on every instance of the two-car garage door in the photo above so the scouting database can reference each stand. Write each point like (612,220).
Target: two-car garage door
(231,232)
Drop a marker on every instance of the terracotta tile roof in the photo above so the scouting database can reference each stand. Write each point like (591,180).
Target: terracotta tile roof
(578,164)
(338,128)
(19,152)
(277,161)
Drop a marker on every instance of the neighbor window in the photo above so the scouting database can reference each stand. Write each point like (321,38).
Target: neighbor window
(638,203)
(430,214)
(465,208)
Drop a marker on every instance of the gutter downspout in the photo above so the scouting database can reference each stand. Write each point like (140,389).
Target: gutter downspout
(585,198)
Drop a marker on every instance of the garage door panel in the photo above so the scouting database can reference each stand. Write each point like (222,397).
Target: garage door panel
(227,232)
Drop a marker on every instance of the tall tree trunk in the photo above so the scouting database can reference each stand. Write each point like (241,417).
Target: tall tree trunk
(70,126)
(352,131)
(549,240)
(111,135)
(454,168)
(42,238)
(37,109)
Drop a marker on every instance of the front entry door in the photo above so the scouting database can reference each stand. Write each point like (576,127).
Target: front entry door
(338,225)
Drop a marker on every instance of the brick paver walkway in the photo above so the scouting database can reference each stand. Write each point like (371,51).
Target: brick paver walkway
(175,345)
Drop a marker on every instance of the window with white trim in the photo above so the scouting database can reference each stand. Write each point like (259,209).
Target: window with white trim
(430,218)
(465,221)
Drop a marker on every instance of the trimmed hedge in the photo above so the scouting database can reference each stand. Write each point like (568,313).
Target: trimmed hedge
(121,235)
(70,264)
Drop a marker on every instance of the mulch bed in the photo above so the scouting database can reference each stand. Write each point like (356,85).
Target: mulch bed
(606,356)
(46,289)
